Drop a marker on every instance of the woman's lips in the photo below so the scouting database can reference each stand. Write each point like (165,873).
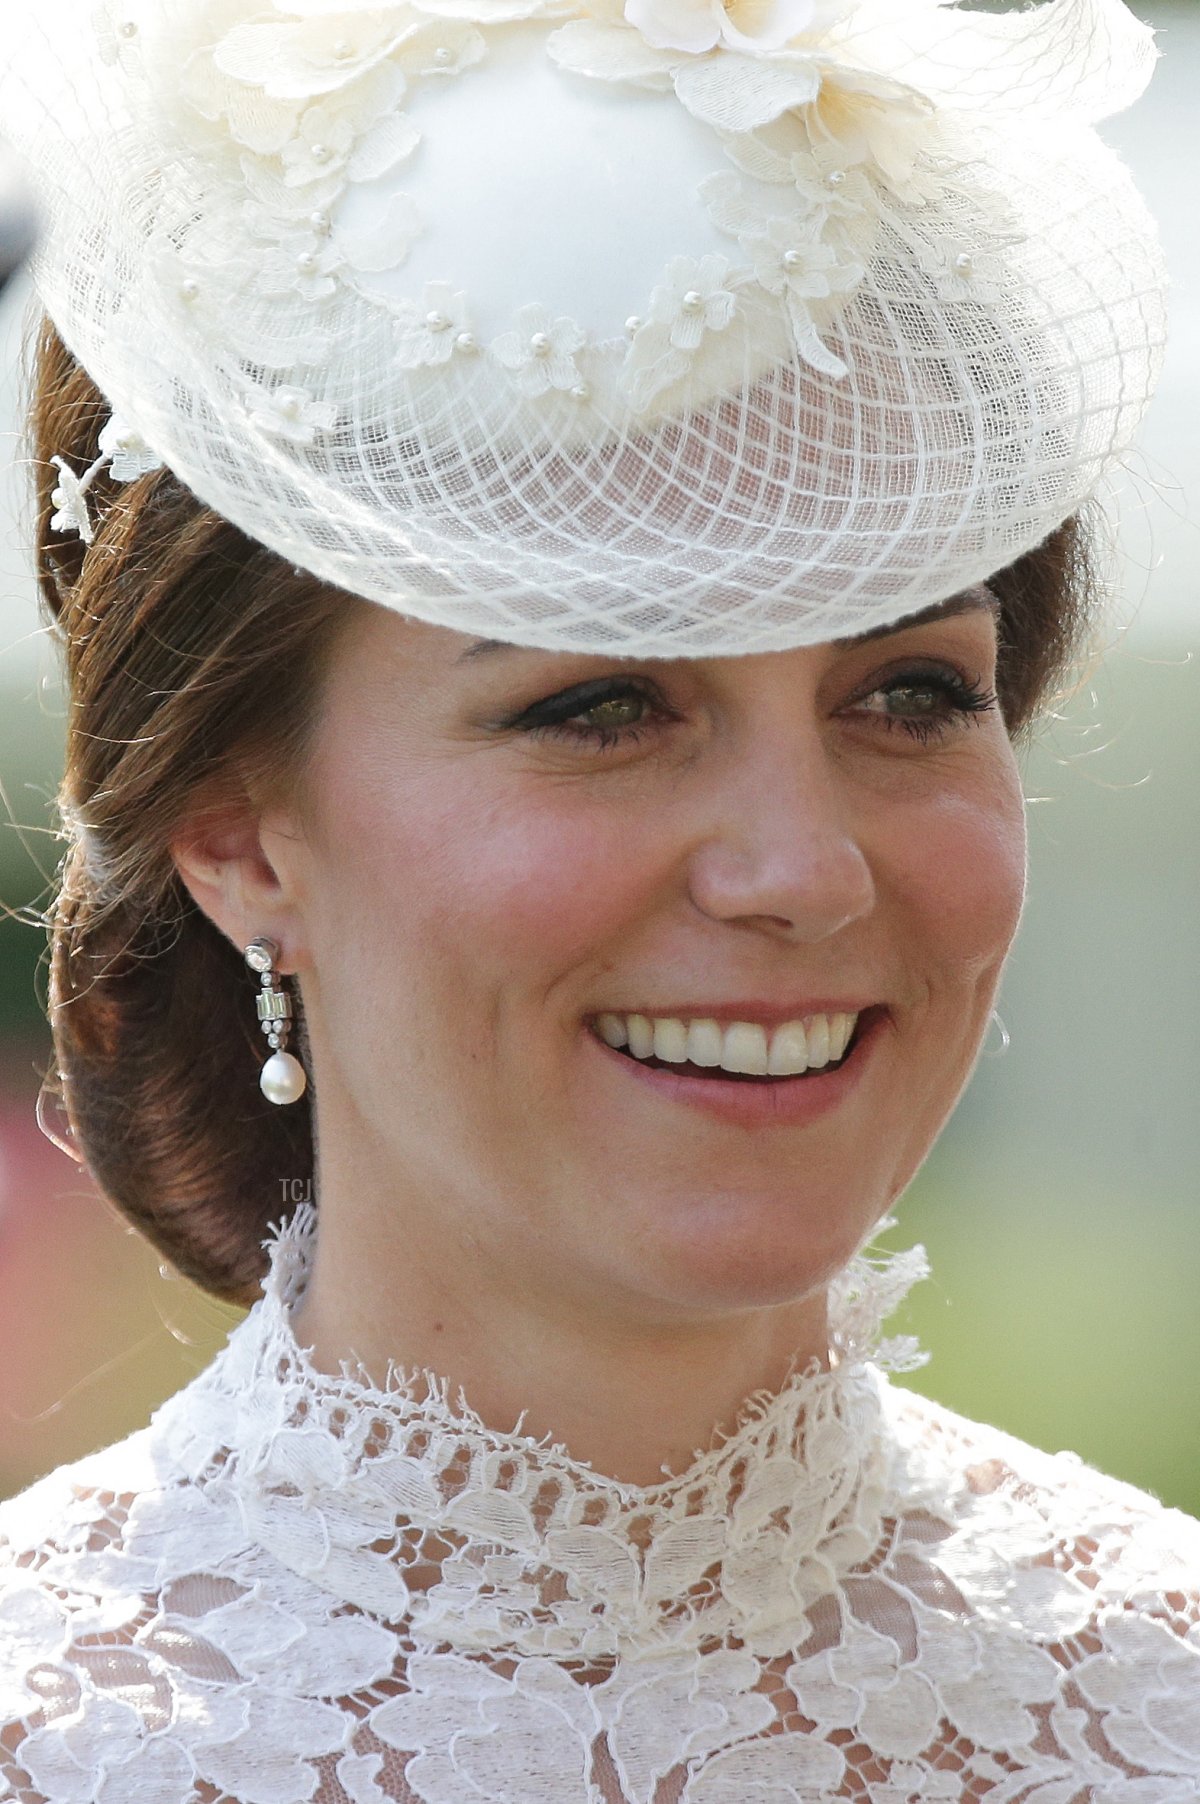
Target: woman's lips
(744,1101)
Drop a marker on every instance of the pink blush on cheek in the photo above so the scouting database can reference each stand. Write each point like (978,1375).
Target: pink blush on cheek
(545,891)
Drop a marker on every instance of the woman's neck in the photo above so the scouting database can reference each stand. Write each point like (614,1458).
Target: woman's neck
(633,1399)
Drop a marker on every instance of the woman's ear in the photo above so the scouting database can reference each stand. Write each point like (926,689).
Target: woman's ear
(245,891)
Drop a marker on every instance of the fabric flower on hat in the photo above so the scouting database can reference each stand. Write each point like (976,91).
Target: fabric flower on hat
(791,258)
(695,299)
(291,413)
(366,141)
(70,503)
(441,46)
(735,67)
(128,453)
(859,117)
(305,107)
(841,198)
(298,59)
(959,268)
(433,331)
(700,25)
(112,20)
(492,12)
(541,352)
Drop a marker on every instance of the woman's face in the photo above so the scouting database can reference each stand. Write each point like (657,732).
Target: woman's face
(499,846)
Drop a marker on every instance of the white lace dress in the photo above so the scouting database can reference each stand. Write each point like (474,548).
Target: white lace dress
(293,1586)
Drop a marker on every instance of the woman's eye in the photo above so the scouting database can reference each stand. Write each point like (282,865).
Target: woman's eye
(614,712)
(927,704)
(600,714)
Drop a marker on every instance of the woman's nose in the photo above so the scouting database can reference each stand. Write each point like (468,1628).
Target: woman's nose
(781,848)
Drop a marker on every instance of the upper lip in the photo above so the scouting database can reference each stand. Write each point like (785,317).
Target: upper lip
(767,1014)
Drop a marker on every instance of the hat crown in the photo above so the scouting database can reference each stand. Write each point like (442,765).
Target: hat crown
(662,326)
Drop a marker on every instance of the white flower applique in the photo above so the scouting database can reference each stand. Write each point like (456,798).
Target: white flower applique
(311,254)
(824,178)
(859,118)
(361,132)
(310,106)
(492,12)
(364,141)
(115,25)
(123,452)
(840,199)
(961,267)
(129,454)
(291,413)
(700,25)
(540,353)
(735,67)
(695,300)
(430,333)
(300,59)
(70,501)
(791,259)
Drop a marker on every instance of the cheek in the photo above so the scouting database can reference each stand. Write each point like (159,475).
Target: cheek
(500,892)
(549,885)
(961,869)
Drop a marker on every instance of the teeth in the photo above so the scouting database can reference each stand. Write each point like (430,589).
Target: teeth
(789,1051)
(743,1046)
(611,1029)
(745,1049)
(670,1041)
(704,1043)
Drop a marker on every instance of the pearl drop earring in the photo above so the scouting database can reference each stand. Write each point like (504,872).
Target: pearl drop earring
(282,1078)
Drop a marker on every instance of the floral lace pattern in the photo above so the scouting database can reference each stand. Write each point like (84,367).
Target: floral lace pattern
(294,1585)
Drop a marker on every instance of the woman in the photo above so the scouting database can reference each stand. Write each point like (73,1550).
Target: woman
(599,747)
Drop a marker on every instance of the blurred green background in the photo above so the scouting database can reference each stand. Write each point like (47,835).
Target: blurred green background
(1061,1209)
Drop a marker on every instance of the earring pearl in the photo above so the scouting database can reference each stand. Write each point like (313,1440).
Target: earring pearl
(283,1078)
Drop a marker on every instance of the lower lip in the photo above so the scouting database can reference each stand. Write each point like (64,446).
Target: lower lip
(771,1102)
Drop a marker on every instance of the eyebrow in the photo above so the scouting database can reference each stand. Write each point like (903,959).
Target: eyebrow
(970,601)
(482,647)
(965,603)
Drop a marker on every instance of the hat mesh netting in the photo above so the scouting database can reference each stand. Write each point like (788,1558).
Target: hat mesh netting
(662,329)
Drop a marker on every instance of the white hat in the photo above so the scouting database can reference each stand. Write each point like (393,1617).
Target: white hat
(663,328)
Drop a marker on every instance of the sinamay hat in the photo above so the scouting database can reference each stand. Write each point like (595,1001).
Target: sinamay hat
(655,327)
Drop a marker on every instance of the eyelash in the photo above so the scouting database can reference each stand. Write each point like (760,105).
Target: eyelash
(966,697)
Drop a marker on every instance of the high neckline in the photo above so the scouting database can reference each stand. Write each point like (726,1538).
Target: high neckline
(344,1479)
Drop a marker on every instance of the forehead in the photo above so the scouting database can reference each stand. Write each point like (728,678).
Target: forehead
(969,601)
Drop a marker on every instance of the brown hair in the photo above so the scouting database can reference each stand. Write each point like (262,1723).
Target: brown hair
(194,662)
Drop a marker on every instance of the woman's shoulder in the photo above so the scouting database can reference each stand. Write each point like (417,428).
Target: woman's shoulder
(144,1637)
(76,1547)
(66,1499)
(1011,1506)
(109,1521)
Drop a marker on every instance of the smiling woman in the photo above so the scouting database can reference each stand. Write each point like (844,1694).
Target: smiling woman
(598,738)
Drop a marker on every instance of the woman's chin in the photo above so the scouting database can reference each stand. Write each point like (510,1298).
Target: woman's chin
(746,1251)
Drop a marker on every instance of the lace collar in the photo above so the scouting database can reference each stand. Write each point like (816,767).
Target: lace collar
(402,1502)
